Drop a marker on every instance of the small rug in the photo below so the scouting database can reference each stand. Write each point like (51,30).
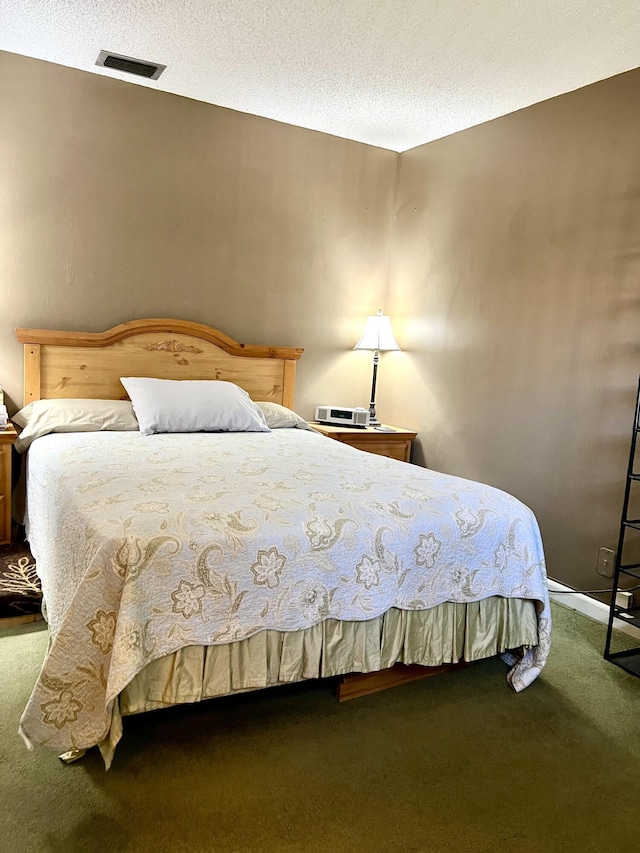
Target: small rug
(20,591)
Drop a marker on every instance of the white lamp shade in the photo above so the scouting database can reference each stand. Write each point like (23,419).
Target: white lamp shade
(377,334)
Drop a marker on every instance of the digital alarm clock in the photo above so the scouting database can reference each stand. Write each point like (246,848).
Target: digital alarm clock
(342,416)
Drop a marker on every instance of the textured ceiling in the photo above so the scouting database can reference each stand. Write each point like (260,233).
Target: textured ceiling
(392,73)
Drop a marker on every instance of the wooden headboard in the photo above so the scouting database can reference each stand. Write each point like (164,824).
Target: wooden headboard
(90,364)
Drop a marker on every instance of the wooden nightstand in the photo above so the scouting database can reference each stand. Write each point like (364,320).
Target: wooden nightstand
(7,438)
(395,445)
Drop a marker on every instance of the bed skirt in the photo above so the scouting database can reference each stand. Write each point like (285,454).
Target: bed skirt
(447,633)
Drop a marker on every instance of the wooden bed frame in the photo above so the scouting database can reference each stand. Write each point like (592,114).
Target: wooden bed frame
(89,364)
(85,365)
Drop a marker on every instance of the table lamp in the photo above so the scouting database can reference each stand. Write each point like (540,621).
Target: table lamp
(377,336)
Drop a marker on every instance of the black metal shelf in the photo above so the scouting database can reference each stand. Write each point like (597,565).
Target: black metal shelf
(625,616)
(633,570)
(629,659)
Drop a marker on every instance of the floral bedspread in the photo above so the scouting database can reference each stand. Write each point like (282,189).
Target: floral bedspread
(147,544)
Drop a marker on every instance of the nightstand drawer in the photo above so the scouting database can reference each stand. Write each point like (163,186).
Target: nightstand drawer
(7,437)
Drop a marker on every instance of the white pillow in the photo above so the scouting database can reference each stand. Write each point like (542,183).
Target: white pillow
(192,405)
(279,417)
(74,415)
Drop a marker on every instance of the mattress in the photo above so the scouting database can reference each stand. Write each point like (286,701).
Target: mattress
(150,545)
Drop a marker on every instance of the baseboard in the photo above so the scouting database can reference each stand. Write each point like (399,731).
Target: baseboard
(597,610)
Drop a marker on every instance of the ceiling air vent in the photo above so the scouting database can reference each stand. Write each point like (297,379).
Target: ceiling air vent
(139,67)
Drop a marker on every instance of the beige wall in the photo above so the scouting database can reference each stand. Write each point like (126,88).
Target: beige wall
(515,288)
(119,202)
(516,295)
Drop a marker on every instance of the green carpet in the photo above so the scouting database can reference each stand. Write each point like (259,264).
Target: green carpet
(453,763)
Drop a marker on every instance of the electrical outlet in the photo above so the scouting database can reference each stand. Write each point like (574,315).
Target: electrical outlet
(624,599)
(606,562)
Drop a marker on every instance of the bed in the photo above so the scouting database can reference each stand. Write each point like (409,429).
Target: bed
(178,566)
